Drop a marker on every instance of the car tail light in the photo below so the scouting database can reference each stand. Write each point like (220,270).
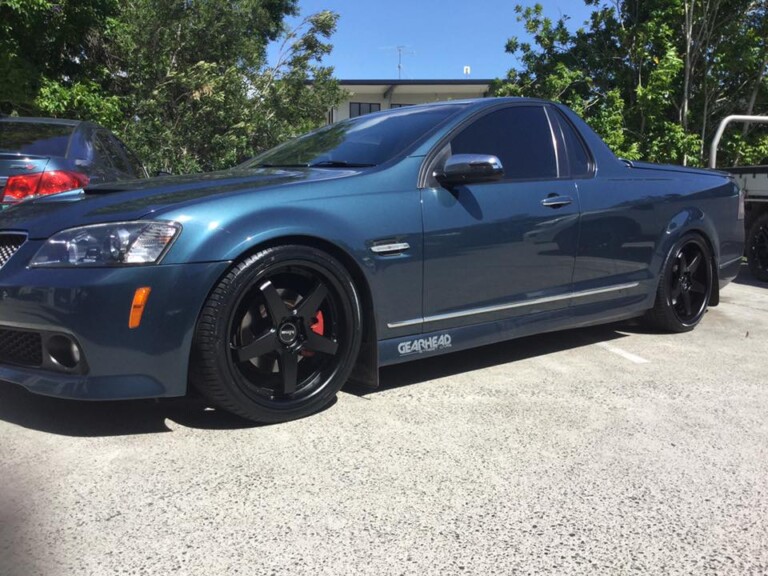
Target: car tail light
(23,186)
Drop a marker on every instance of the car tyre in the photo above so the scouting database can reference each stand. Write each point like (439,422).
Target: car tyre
(278,335)
(757,248)
(685,286)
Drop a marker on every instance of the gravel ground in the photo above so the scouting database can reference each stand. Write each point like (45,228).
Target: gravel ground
(608,450)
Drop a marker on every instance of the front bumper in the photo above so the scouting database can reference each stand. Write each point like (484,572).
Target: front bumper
(91,306)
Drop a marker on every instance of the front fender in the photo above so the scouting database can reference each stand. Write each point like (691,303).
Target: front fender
(350,223)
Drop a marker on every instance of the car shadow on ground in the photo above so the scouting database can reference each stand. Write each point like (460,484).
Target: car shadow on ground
(95,419)
(511,351)
(112,418)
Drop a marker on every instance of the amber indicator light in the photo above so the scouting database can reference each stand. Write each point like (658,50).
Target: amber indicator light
(140,298)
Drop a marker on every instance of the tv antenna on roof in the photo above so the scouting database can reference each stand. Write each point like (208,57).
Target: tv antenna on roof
(401,51)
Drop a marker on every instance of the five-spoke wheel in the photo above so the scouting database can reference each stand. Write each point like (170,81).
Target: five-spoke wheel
(279,335)
(685,285)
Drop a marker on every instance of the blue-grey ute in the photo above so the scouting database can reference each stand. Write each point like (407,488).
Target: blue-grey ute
(384,238)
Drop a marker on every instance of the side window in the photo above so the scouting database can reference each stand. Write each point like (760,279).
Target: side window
(578,159)
(101,156)
(519,136)
(107,146)
(136,167)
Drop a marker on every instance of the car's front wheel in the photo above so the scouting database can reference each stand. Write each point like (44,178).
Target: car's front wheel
(685,286)
(278,336)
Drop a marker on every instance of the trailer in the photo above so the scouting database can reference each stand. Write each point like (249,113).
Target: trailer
(753,181)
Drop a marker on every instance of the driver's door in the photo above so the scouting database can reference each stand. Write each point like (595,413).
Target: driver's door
(501,249)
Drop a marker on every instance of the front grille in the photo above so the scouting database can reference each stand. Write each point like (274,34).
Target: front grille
(21,347)
(9,243)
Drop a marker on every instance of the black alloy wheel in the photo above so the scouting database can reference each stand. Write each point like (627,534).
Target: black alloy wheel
(757,248)
(278,336)
(685,286)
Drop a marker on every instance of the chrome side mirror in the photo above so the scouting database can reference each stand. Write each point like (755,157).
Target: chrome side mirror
(470,169)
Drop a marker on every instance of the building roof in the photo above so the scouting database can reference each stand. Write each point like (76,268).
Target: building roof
(469,86)
(453,82)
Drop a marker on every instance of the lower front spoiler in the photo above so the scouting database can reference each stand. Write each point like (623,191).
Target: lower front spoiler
(91,307)
(78,387)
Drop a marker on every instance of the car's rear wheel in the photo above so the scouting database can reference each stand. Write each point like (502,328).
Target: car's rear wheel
(278,336)
(685,286)
(757,248)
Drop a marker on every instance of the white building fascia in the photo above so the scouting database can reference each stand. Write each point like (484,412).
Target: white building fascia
(374,95)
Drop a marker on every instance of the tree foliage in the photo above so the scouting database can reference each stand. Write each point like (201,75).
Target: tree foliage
(184,82)
(43,41)
(653,77)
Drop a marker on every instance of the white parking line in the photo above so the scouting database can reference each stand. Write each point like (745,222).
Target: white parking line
(623,353)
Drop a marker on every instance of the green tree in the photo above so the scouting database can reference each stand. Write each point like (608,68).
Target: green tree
(196,89)
(653,77)
(43,42)
(184,82)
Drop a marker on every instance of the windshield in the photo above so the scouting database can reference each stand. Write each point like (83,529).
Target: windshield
(363,141)
(35,139)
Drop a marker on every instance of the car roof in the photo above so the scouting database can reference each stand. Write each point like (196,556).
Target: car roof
(40,120)
(491,100)
(468,103)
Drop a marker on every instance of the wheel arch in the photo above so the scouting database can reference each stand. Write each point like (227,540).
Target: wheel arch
(693,221)
(714,298)
(365,372)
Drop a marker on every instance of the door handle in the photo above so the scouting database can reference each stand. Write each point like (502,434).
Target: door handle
(555,201)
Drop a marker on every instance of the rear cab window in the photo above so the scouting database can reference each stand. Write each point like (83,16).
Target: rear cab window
(578,161)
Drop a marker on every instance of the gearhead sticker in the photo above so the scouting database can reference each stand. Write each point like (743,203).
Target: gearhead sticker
(422,345)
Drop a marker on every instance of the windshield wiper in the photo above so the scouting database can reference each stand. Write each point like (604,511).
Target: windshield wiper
(340,164)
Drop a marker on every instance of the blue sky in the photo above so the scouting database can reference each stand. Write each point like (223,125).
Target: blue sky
(440,36)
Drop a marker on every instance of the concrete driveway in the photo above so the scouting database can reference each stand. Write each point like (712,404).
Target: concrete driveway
(608,450)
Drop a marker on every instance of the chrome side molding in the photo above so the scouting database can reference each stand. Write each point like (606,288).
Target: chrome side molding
(511,305)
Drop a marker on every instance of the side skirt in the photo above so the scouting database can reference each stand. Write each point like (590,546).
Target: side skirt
(403,349)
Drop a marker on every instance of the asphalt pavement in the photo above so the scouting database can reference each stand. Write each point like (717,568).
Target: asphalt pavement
(608,450)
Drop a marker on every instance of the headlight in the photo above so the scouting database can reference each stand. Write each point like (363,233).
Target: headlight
(118,244)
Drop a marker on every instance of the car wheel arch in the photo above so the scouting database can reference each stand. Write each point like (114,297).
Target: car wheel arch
(365,372)
(701,232)
(714,298)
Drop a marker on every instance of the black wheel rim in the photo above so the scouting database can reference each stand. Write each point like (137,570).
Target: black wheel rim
(690,282)
(759,248)
(289,334)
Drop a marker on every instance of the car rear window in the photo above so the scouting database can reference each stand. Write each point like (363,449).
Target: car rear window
(35,139)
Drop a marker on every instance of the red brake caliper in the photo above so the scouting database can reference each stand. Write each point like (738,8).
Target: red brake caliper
(318,327)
